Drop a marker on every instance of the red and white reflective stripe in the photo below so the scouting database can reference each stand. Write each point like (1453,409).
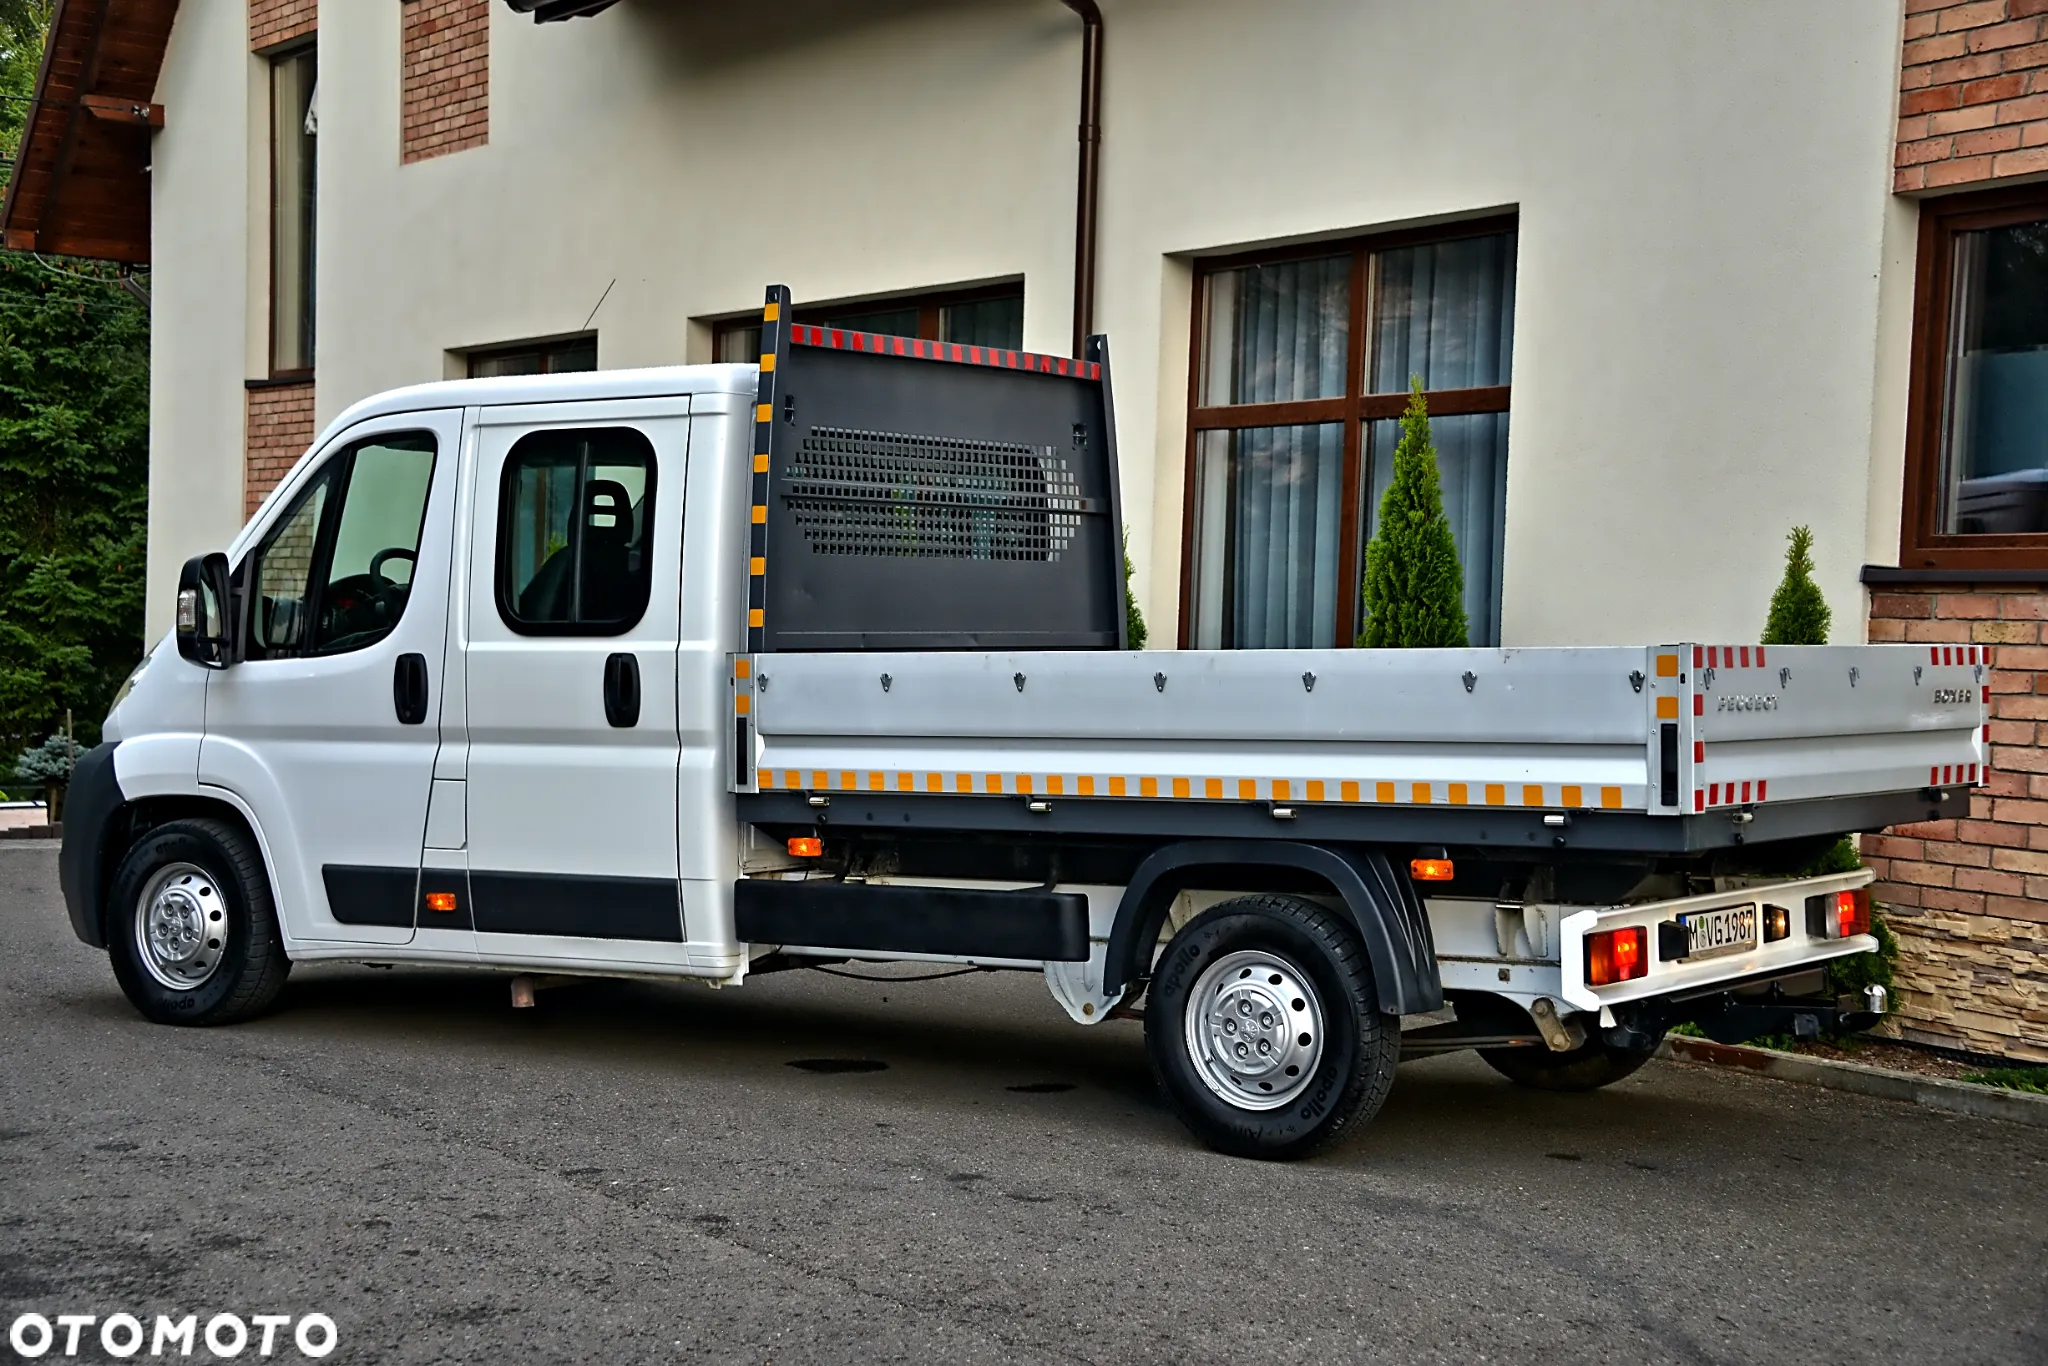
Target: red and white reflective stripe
(1948,775)
(1739,793)
(839,339)
(1728,657)
(1960,654)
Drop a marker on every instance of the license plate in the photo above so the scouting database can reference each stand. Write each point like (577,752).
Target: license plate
(1732,929)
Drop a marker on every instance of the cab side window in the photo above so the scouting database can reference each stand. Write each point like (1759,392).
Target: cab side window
(574,510)
(335,573)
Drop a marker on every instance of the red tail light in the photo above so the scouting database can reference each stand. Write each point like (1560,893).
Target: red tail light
(1617,956)
(1838,915)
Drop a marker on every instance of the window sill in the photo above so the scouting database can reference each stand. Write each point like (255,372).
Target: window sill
(1884,574)
(286,380)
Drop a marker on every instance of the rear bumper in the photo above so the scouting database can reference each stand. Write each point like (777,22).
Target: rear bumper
(1796,1006)
(89,806)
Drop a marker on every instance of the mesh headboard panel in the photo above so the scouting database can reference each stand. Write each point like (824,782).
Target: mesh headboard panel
(919,503)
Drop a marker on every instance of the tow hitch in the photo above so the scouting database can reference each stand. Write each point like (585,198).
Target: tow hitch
(1733,1017)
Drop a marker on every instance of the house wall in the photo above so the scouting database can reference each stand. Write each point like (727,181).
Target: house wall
(1973,102)
(1703,255)
(445,77)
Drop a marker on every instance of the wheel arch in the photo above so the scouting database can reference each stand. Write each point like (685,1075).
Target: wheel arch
(1383,907)
(133,820)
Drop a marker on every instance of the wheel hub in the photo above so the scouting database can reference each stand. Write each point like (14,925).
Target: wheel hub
(181,926)
(1255,1029)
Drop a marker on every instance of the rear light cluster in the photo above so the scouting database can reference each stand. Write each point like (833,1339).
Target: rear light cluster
(1838,915)
(1617,956)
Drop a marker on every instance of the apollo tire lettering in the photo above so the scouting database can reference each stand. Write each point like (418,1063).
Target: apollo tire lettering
(1748,702)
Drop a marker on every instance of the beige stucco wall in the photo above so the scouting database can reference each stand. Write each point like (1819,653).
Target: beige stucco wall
(1708,338)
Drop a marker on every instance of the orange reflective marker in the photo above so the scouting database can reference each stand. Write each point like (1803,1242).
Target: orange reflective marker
(1431,869)
(805,846)
(440,901)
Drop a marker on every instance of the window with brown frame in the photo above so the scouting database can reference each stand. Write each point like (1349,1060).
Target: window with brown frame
(294,142)
(1976,492)
(991,316)
(1301,370)
(561,356)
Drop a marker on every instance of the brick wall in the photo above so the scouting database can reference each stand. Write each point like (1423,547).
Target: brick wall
(275,22)
(444,77)
(1969,898)
(277,428)
(1973,93)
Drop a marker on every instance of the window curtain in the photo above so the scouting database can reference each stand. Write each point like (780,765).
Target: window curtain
(1270,498)
(1446,312)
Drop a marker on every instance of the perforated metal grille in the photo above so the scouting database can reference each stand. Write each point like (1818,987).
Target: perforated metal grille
(926,497)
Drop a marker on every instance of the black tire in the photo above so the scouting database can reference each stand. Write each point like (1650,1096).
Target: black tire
(1588,1067)
(247,974)
(1348,1078)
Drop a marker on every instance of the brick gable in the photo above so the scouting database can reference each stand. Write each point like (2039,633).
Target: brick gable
(444,77)
(1973,93)
(277,427)
(273,23)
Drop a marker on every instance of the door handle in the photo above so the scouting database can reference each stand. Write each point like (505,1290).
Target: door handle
(409,689)
(622,690)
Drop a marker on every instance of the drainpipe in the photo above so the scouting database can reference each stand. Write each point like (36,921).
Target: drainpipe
(1086,197)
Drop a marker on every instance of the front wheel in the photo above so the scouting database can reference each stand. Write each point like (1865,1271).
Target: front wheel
(1589,1067)
(191,929)
(1264,1030)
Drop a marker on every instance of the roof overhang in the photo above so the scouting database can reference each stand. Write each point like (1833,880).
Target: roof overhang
(81,176)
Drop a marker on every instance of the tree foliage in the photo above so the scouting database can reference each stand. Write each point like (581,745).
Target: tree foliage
(1414,585)
(1799,613)
(74,443)
(1134,620)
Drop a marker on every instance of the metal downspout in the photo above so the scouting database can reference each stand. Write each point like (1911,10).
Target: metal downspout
(1087,195)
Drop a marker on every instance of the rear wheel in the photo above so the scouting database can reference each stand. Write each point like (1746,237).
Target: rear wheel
(1264,1030)
(1588,1067)
(192,931)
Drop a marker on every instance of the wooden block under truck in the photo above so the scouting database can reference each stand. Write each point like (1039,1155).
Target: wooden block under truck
(712,671)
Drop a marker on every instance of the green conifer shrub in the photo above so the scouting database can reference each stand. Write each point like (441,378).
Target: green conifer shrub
(1799,614)
(1134,620)
(1414,585)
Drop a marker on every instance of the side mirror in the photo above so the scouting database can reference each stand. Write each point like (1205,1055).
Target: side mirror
(204,634)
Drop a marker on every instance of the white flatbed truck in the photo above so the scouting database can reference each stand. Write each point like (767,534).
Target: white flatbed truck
(711,671)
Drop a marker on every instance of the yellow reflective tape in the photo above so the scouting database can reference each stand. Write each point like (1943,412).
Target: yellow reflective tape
(874,782)
(1282,790)
(905,783)
(1148,787)
(820,779)
(771,311)
(1085,785)
(1023,784)
(1419,793)
(767,360)
(1667,709)
(963,782)
(994,782)
(1180,787)
(1383,792)
(1116,787)
(849,782)
(1055,785)
(1459,794)
(1347,792)
(742,704)
(1213,787)
(760,515)
(1315,789)
(760,464)
(753,616)
(1610,796)
(1532,795)
(934,782)
(1667,666)
(757,566)
(1570,796)
(742,667)
(1247,789)
(1496,795)
(764,412)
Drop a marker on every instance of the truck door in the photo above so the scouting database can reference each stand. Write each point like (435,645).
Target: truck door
(328,725)
(569,660)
